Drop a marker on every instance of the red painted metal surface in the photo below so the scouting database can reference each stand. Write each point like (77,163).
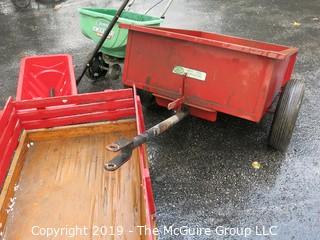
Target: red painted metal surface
(43,76)
(68,110)
(220,73)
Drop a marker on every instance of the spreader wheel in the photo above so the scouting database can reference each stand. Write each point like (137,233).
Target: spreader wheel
(115,71)
(98,68)
(21,3)
(286,115)
(147,99)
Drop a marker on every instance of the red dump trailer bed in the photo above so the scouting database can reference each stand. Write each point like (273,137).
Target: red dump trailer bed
(208,73)
(213,72)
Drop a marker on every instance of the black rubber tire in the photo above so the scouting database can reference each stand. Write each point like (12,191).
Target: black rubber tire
(21,3)
(286,115)
(147,99)
(95,72)
(115,72)
(50,1)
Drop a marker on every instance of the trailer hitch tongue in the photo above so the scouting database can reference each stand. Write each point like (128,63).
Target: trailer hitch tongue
(126,147)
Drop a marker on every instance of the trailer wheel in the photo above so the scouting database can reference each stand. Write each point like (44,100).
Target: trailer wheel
(286,115)
(98,68)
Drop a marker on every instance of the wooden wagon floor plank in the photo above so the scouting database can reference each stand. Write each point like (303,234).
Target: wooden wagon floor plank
(63,184)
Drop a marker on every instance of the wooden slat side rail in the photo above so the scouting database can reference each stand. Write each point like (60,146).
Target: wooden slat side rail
(6,112)
(8,130)
(81,118)
(7,191)
(37,114)
(77,109)
(75,99)
(9,152)
(11,130)
(148,198)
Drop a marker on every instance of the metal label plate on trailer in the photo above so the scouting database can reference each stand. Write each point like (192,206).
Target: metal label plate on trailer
(191,73)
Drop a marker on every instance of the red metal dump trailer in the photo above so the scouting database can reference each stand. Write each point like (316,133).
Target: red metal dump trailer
(210,73)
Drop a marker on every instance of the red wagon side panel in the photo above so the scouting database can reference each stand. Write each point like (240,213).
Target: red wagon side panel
(42,76)
(144,169)
(9,136)
(236,76)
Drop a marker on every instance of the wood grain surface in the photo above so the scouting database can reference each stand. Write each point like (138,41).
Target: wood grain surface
(63,186)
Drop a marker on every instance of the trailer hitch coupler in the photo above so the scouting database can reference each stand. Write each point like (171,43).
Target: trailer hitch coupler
(126,147)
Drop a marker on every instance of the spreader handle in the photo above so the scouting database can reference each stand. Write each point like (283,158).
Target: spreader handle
(166,8)
(103,38)
(164,11)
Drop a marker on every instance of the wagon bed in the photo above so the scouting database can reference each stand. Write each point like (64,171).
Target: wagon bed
(52,169)
(62,177)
